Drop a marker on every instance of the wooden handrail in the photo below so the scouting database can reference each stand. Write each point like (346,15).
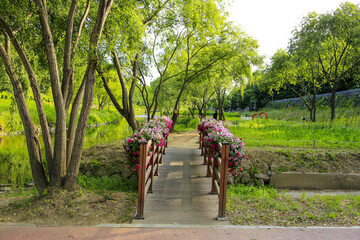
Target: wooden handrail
(218,177)
(148,168)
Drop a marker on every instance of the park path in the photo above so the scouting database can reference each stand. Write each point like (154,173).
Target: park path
(179,208)
(181,191)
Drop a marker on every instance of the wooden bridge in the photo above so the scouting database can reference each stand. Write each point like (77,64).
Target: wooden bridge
(181,191)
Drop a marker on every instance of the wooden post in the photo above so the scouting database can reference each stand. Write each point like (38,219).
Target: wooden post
(208,173)
(141,184)
(213,177)
(223,181)
(151,177)
(166,140)
(157,152)
(205,155)
(162,150)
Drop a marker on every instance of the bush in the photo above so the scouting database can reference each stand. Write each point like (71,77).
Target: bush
(213,133)
(156,130)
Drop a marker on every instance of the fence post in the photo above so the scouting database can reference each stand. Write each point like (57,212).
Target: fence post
(213,177)
(166,140)
(223,183)
(200,144)
(141,183)
(152,162)
(205,155)
(157,151)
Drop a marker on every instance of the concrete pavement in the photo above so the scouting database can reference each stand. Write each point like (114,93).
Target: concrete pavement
(159,232)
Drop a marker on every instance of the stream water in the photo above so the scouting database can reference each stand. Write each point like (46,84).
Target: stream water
(14,160)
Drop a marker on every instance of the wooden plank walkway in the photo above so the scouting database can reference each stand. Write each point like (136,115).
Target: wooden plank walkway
(181,192)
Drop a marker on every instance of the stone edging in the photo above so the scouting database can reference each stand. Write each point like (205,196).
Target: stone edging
(295,180)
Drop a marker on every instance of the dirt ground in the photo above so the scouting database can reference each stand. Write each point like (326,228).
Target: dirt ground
(84,207)
(64,208)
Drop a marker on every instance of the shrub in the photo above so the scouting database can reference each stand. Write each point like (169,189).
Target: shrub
(213,133)
(156,130)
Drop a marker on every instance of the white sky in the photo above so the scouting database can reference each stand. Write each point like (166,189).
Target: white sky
(272,21)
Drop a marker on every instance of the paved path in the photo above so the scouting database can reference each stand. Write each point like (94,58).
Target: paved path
(129,232)
(181,192)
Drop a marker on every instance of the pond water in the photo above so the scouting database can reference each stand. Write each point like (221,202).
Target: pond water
(14,160)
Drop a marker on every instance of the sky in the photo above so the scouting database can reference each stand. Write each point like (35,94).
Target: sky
(272,21)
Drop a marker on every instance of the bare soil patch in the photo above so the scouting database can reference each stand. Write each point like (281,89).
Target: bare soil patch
(61,207)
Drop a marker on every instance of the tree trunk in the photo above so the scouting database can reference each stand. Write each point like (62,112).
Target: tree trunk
(191,110)
(60,134)
(333,102)
(176,113)
(313,105)
(73,119)
(36,92)
(32,142)
(222,106)
(73,169)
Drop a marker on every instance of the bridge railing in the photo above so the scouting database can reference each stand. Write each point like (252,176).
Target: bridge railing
(217,169)
(150,157)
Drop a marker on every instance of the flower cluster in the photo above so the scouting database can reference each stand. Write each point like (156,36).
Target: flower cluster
(213,132)
(156,130)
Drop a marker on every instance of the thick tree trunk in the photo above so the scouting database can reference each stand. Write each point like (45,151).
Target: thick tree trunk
(32,141)
(67,69)
(57,178)
(73,168)
(73,119)
(74,164)
(36,92)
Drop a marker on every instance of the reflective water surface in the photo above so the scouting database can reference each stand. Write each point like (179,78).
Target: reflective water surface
(14,160)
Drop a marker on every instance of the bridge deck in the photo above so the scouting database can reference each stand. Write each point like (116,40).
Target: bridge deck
(181,192)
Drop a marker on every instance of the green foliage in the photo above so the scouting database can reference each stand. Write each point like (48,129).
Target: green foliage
(107,183)
(10,119)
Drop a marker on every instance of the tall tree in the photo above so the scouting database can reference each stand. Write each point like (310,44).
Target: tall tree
(287,71)
(64,159)
(339,46)
(334,39)
(167,33)
(139,16)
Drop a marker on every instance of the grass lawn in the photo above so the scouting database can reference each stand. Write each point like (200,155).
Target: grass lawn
(266,206)
(292,134)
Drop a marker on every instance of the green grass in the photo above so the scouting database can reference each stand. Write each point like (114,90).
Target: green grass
(184,124)
(344,116)
(107,184)
(260,133)
(266,206)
